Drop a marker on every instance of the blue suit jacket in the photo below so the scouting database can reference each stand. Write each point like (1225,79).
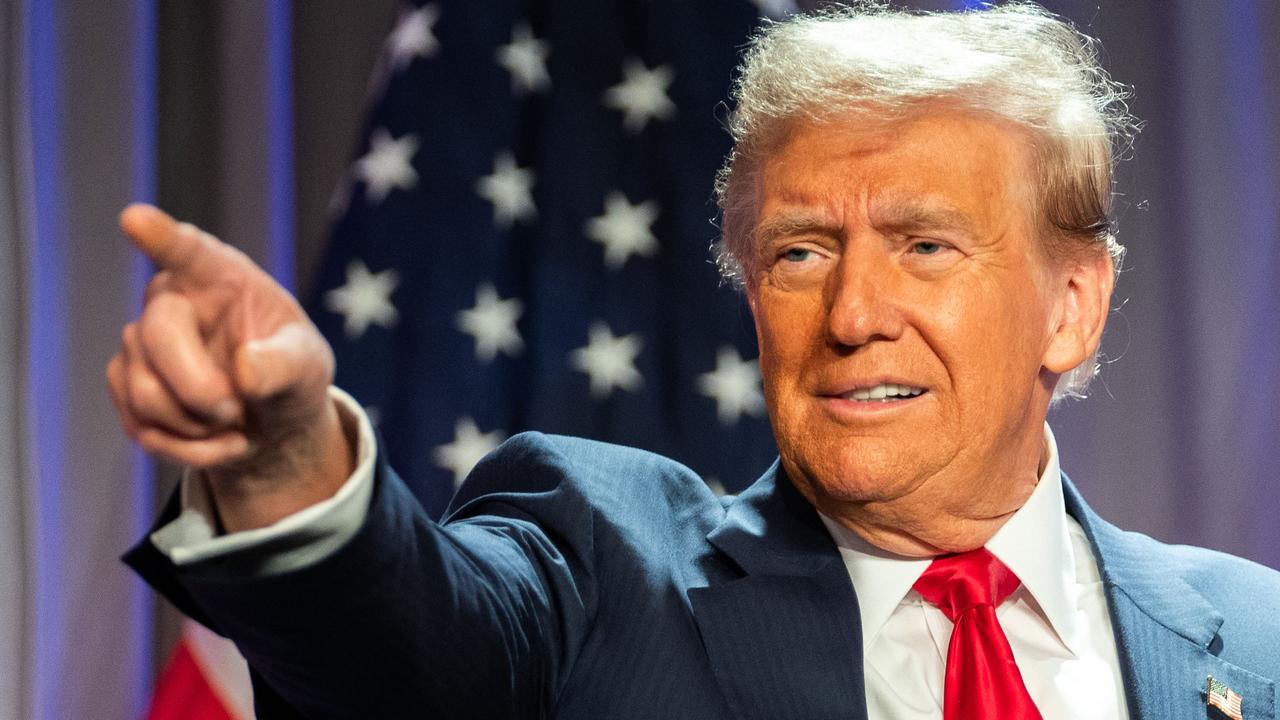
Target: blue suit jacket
(574,579)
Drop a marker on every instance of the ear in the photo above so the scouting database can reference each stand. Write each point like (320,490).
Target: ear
(1084,300)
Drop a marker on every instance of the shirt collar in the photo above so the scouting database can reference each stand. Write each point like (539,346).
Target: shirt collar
(1034,544)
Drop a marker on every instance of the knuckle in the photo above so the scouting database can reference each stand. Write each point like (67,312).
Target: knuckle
(128,422)
(113,370)
(147,397)
(158,284)
(150,440)
(160,307)
(151,324)
(167,319)
(319,372)
(115,383)
(236,254)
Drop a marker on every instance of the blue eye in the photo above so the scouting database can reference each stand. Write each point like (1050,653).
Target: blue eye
(797,254)
(926,248)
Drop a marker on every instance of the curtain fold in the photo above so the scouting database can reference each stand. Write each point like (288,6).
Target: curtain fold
(15,565)
(78,146)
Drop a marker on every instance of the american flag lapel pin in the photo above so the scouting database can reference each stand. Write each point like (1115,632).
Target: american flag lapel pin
(1218,695)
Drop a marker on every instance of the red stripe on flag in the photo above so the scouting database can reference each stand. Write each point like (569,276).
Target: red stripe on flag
(184,693)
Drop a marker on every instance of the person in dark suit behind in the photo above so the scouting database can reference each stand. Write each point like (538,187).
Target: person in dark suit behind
(917,210)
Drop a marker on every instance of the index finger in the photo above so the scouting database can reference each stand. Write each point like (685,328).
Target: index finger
(181,248)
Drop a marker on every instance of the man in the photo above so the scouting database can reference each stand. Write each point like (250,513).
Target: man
(916,208)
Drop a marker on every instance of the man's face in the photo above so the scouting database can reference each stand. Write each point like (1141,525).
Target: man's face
(905,312)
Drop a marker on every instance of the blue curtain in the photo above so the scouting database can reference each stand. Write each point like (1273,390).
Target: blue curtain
(79,92)
(80,113)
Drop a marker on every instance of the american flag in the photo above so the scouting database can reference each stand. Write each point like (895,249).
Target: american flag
(1219,696)
(521,241)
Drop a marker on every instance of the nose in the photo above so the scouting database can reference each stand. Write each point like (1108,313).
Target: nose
(862,304)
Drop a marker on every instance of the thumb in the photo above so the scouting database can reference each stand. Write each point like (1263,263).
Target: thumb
(294,360)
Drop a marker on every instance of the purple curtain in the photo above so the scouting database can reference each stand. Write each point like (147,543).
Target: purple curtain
(79,139)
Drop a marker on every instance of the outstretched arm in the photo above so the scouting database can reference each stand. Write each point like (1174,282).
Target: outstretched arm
(479,618)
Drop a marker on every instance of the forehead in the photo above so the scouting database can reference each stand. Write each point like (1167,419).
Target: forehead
(941,161)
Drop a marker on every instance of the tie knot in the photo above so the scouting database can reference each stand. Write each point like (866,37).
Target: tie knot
(960,582)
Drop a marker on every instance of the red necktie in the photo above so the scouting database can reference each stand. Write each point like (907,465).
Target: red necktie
(982,679)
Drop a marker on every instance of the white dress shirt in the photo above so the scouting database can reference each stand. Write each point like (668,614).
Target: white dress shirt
(1057,621)
(298,540)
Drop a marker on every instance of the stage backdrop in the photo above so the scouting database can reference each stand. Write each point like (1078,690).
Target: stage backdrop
(246,116)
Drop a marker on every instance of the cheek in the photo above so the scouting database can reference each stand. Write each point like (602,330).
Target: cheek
(778,364)
(990,336)
(1021,320)
(788,329)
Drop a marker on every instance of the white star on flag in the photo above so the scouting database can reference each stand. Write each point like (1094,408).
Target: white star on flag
(413,36)
(776,9)
(492,322)
(642,95)
(469,446)
(623,229)
(526,59)
(609,361)
(509,188)
(734,385)
(365,299)
(387,165)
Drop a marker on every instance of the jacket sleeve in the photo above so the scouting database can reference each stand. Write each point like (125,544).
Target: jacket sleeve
(302,538)
(479,617)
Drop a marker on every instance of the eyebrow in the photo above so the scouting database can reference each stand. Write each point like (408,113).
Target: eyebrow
(791,223)
(901,216)
(921,215)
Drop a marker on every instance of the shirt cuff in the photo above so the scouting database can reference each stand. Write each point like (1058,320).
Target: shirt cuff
(303,538)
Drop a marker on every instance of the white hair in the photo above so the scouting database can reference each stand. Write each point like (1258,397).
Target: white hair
(1016,62)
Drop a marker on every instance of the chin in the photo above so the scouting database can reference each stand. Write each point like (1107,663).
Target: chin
(858,470)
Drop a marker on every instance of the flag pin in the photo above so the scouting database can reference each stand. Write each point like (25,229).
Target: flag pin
(1218,695)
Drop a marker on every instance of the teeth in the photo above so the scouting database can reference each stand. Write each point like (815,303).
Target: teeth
(884,392)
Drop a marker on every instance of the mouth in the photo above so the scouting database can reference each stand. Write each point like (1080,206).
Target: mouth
(885,392)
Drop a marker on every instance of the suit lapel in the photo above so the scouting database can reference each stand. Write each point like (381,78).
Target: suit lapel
(783,638)
(1166,632)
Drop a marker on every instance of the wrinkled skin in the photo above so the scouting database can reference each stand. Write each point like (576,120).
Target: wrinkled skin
(909,253)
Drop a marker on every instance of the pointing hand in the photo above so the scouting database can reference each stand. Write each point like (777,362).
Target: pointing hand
(223,371)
